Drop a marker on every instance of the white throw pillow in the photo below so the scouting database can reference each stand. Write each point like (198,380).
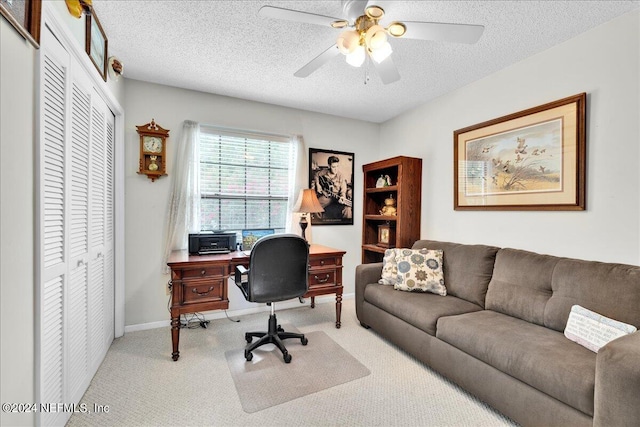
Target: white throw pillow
(420,270)
(389,268)
(592,330)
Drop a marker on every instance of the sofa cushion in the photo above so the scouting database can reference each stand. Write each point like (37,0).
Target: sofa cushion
(596,286)
(389,274)
(467,268)
(420,270)
(521,284)
(421,310)
(538,356)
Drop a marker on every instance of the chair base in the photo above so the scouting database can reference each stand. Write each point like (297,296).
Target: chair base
(275,335)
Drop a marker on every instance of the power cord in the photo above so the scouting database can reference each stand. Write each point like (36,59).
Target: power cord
(193,321)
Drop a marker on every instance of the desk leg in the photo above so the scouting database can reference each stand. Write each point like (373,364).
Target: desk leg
(338,309)
(313,302)
(175,336)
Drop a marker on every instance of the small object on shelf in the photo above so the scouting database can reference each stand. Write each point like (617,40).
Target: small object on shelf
(387,179)
(381,182)
(389,208)
(386,236)
(153,150)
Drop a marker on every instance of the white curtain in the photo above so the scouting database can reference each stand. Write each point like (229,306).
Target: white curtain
(298,176)
(184,202)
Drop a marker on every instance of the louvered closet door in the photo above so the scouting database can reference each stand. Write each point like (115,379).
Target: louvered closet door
(77,314)
(53,221)
(76,156)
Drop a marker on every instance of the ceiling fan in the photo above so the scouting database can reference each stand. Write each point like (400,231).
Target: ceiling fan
(368,38)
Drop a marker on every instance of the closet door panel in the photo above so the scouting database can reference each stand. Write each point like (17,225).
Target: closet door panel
(52,223)
(109,267)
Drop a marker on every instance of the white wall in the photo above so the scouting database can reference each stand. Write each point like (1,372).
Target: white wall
(604,62)
(16,221)
(146,201)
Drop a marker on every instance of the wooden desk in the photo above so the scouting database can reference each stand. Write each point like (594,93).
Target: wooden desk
(199,282)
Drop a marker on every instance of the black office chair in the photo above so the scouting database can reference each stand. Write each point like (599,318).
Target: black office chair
(278,271)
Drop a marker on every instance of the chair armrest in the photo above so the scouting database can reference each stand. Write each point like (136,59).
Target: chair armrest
(617,386)
(365,274)
(240,270)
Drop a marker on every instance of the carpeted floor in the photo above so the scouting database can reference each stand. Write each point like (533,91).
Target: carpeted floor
(142,386)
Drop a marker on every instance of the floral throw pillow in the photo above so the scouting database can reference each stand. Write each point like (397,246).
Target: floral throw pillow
(389,268)
(420,270)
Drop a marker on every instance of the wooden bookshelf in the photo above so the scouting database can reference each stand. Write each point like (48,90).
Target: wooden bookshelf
(406,189)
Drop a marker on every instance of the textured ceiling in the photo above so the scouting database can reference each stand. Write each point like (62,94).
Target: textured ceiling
(224,47)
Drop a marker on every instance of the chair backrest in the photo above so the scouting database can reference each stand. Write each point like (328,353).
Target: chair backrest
(278,268)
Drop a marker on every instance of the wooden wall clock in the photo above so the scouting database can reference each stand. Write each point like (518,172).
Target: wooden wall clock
(153,150)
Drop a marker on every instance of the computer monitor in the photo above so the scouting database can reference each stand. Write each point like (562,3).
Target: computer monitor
(250,236)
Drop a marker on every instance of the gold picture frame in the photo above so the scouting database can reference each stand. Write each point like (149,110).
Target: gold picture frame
(24,15)
(530,160)
(96,44)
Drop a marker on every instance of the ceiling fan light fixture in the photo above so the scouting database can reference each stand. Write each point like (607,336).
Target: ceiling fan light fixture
(357,57)
(374,12)
(381,53)
(375,37)
(397,29)
(348,41)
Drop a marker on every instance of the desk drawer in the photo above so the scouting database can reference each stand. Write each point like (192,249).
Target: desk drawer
(322,278)
(322,262)
(209,271)
(202,291)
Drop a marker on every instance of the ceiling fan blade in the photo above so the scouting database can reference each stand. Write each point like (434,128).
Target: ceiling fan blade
(296,16)
(387,71)
(457,33)
(318,62)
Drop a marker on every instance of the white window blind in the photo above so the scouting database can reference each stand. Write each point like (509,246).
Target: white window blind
(244,180)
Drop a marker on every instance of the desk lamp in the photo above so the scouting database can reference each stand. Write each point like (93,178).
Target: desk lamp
(307,203)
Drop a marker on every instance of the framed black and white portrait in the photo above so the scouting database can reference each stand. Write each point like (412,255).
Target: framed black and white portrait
(331,177)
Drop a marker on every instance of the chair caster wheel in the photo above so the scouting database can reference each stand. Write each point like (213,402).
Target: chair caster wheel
(287,358)
(304,340)
(248,338)
(248,356)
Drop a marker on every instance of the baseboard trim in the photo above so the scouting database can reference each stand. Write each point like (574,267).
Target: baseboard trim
(220,314)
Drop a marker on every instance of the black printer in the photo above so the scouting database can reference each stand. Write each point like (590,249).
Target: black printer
(212,242)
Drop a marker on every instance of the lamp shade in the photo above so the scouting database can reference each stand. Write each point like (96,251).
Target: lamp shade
(357,57)
(375,37)
(348,41)
(308,202)
(381,53)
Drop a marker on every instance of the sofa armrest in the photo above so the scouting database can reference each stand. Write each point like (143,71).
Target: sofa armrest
(617,386)
(365,274)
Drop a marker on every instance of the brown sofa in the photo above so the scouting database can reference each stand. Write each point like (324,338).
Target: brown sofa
(499,332)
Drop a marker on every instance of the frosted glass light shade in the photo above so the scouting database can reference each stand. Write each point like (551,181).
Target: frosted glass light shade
(357,57)
(381,53)
(348,41)
(375,37)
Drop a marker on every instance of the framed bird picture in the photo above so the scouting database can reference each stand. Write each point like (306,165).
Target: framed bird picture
(530,160)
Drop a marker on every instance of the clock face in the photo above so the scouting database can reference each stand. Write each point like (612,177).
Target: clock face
(152,144)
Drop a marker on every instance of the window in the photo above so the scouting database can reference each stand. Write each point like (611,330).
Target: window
(244,180)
